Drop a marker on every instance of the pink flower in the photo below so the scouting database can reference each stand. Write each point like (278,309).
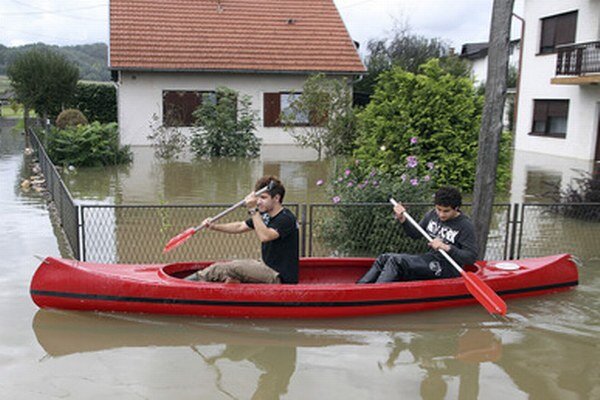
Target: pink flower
(336,199)
(347,172)
(319,182)
(350,184)
(403,177)
(414,140)
(411,161)
(426,178)
(414,181)
(430,165)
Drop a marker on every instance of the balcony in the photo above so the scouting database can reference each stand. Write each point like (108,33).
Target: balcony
(578,64)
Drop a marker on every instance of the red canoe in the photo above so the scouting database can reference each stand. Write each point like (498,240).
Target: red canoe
(326,288)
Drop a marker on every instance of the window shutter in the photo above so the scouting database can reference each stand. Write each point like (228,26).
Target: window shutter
(566,26)
(271,109)
(548,34)
(540,110)
(558,108)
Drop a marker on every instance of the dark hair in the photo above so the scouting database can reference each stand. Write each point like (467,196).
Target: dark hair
(277,186)
(448,196)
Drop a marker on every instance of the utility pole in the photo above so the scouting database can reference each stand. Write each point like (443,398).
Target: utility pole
(491,121)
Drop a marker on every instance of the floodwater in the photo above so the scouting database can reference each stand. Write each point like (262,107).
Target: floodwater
(547,348)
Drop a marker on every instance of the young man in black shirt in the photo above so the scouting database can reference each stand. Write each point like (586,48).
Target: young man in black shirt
(276,228)
(451,230)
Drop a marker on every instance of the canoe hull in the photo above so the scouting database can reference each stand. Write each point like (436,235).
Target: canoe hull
(326,289)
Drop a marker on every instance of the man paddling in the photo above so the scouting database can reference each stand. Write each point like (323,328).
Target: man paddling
(452,231)
(277,229)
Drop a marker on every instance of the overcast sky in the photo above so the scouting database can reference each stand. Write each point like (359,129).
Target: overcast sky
(68,22)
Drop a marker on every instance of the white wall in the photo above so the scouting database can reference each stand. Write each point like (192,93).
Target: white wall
(140,96)
(538,70)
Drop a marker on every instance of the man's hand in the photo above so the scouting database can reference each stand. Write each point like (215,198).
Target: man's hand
(250,201)
(208,223)
(437,244)
(399,212)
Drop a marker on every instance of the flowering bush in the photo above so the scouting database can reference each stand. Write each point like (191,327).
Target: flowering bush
(435,111)
(362,223)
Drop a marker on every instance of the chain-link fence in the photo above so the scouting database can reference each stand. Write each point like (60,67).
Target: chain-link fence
(559,228)
(66,209)
(137,234)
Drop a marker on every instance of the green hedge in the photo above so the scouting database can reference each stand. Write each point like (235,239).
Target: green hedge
(97,101)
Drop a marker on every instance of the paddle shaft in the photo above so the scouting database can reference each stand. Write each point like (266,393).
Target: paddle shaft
(230,209)
(429,239)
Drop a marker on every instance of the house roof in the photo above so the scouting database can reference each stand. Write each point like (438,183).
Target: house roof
(231,35)
(475,51)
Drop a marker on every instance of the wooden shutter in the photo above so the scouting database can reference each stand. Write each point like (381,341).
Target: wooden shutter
(271,109)
(548,34)
(558,108)
(178,107)
(566,26)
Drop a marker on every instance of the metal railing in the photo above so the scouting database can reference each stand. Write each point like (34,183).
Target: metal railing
(578,59)
(67,210)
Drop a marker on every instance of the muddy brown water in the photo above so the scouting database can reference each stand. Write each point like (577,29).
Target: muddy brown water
(547,348)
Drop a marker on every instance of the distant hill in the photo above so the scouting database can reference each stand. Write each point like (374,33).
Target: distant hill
(90,58)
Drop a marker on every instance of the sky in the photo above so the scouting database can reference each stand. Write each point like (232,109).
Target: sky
(70,22)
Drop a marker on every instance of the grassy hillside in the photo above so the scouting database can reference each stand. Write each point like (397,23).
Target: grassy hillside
(90,58)
(4,83)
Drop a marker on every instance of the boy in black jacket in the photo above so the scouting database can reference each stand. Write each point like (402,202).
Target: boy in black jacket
(451,231)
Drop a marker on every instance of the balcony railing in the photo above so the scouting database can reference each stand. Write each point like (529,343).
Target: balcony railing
(578,59)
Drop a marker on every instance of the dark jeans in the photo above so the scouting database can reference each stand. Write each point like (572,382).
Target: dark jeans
(393,267)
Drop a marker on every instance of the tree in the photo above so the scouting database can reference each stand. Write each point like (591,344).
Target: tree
(43,81)
(225,126)
(431,117)
(326,103)
(491,123)
(409,52)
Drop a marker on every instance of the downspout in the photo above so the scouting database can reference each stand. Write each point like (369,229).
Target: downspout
(518,88)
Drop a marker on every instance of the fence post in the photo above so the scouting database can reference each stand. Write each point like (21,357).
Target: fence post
(513,231)
(302,230)
(82,243)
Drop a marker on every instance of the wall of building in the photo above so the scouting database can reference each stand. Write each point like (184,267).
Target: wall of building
(538,70)
(140,97)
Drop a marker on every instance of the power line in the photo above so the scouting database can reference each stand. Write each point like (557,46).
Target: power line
(58,12)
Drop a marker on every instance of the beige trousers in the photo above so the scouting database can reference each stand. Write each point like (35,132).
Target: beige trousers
(244,271)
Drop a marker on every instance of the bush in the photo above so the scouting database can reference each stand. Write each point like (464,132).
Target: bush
(586,189)
(168,142)
(362,223)
(225,126)
(440,111)
(90,145)
(97,101)
(70,118)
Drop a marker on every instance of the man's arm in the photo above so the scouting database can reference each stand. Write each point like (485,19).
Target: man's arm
(231,227)
(413,232)
(264,233)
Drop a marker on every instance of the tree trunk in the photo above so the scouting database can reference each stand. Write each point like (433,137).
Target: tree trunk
(491,122)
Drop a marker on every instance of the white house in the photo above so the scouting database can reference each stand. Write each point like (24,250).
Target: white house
(166,55)
(559,97)
(477,55)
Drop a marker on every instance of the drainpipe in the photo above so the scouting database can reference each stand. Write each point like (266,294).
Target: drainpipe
(518,88)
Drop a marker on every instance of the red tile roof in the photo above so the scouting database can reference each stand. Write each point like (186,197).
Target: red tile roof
(231,35)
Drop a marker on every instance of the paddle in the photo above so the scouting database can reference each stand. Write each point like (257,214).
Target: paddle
(188,233)
(478,288)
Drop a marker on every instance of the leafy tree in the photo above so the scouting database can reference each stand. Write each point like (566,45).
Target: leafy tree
(407,51)
(43,80)
(438,112)
(225,126)
(328,104)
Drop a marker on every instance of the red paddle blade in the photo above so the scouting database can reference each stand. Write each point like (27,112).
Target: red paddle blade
(179,239)
(484,294)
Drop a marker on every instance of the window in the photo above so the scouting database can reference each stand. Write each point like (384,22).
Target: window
(550,118)
(557,30)
(277,104)
(178,106)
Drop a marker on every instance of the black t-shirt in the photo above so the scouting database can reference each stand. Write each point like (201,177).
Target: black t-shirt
(281,254)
